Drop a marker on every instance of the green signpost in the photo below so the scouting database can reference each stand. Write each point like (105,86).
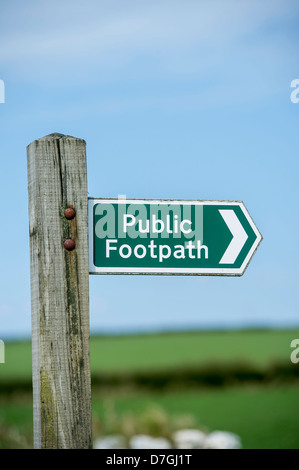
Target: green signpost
(117,236)
(142,236)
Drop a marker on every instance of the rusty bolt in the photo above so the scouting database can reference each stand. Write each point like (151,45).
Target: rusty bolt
(69,213)
(69,244)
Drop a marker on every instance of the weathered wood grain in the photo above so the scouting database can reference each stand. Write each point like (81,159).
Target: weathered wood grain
(57,179)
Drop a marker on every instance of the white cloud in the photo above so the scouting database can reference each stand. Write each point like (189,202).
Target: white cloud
(171,54)
(107,33)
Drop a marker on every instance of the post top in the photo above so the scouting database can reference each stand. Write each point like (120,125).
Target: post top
(58,136)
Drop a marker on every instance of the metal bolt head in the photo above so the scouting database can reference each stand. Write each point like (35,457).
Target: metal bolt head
(69,244)
(70,213)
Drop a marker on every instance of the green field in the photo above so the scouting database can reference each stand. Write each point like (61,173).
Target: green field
(264,415)
(264,418)
(168,350)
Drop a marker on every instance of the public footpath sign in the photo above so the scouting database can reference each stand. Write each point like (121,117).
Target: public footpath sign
(183,237)
(70,236)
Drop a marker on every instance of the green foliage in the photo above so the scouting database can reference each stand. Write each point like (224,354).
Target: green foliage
(264,417)
(16,423)
(206,375)
(156,383)
(153,421)
(167,350)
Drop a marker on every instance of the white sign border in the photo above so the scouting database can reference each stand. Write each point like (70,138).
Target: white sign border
(170,271)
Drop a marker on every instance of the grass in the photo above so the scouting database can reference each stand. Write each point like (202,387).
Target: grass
(168,350)
(16,428)
(180,349)
(264,417)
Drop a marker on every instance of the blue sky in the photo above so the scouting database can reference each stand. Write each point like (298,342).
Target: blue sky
(175,99)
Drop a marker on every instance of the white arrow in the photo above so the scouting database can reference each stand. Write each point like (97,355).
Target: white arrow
(238,233)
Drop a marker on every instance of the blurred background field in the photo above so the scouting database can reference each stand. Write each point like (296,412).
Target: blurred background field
(161,350)
(238,381)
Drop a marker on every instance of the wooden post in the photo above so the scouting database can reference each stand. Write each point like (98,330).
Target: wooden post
(57,180)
